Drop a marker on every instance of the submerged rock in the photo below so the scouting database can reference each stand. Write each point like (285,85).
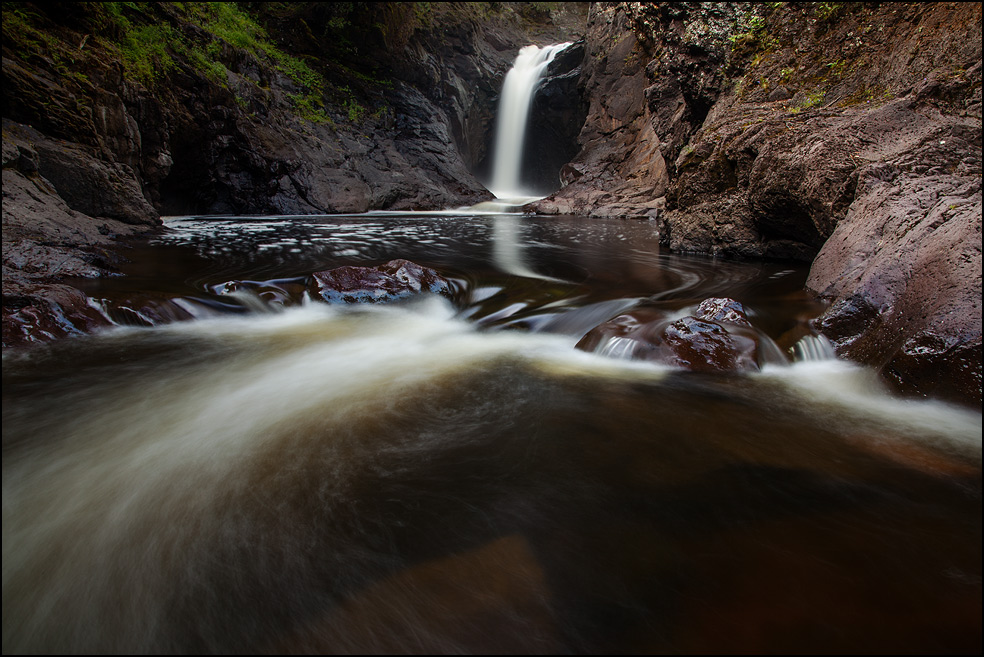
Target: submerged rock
(396,279)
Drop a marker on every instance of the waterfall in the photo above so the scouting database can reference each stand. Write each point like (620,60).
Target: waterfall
(514,109)
(814,348)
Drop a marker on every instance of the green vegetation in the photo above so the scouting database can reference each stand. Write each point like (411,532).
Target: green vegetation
(813,99)
(825,11)
(867,96)
(144,49)
(20,33)
(152,40)
(751,37)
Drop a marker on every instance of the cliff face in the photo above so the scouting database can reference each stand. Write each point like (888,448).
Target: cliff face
(848,133)
(116,113)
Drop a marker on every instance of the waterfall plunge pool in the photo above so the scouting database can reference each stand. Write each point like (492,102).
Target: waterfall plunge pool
(454,476)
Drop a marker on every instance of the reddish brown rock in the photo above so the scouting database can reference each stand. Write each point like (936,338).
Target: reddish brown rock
(41,313)
(903,275)
(396,279)
(718,339)
(722,310)
(865,155)
(703,346)
(44,240)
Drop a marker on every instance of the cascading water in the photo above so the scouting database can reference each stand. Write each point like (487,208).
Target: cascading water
(454,476)
(515,102)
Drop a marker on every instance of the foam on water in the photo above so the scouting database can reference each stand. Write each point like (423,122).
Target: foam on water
(218,484)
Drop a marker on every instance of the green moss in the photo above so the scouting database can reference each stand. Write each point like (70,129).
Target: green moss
(205,63)
(873,96)
(825,11)
(310,109)
(150,43)
(751,37)
(813,99)
(28,42)
(145,53)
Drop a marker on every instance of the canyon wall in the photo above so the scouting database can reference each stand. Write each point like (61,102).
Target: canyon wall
(848,134)
(117,113)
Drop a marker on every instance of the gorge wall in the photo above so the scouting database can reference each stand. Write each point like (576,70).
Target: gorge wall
(847,134)
(117,113)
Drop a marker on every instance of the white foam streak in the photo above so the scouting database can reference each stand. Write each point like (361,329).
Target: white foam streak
(852,396)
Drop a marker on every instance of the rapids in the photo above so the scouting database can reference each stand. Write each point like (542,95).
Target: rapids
(233,470)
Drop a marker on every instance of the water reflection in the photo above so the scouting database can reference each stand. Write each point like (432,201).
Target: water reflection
(543,268)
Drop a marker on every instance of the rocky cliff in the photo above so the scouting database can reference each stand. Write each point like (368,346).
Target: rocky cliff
(848,134)
(117,113)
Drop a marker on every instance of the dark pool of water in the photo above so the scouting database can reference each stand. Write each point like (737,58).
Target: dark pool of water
(454,476)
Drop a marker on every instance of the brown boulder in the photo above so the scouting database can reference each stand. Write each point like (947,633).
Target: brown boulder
(396,279)
(903,275)
(41,313)
(717,338)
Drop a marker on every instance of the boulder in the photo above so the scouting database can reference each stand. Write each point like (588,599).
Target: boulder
(716,338)
(396,279)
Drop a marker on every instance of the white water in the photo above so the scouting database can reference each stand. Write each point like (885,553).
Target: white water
(217,495)
(518,90)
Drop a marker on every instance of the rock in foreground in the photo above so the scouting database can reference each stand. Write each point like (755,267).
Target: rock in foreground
(396,279)
(716,338)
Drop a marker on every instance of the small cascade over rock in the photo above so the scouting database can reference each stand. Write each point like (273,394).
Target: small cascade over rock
(717,337)
(814,348)
(513,117)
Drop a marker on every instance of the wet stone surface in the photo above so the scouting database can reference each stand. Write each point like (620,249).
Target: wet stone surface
(396,279)
(716,338)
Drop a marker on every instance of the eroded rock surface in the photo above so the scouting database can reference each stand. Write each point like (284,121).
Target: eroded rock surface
(396,279)
(717,338)
(845,133)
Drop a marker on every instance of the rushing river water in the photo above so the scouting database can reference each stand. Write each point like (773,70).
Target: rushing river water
(266,473)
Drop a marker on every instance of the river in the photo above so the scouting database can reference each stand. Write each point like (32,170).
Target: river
(238,468)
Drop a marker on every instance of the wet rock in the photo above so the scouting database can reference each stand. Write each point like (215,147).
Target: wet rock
(718,338)
(703,346)
(45,240)
(556,117)
(902,274)
(723,310)
(396,279)
(41,313)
